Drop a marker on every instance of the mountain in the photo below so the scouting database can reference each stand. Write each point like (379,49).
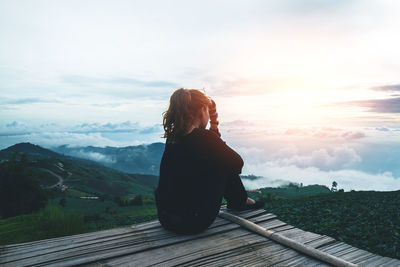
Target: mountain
(34,151)
(51,168)
(144,159)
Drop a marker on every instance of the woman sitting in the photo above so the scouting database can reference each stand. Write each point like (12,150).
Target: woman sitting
(197,168)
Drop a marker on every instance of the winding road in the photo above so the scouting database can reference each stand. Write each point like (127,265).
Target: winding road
(60,178)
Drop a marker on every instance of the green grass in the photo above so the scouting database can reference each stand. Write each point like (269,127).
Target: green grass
(78,216)
(71,192)
(288,192)
(48,223)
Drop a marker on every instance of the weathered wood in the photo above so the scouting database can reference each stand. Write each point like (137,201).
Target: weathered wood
(194,249)
(223,244)
(286,241)
(320,241)
(86,251)
(377,261)
(391,263)
(357,255)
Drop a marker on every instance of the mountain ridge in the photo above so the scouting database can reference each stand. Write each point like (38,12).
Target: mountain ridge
(87,175)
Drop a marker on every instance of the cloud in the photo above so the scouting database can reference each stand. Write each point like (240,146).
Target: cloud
(152,129)
(347,179)
(85,134)
(118,87)
(383,129)
(390,105)
(326,132)
(87,80)
(16,124)
(314,6)
(233,85)
(239,123)
(323,156)
(30,100)
(329,158)
(93,156)
(391,88)
(123,127)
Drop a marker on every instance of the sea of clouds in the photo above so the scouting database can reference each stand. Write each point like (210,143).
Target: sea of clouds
(365,158)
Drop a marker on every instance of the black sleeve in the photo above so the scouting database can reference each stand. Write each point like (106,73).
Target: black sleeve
(217,152)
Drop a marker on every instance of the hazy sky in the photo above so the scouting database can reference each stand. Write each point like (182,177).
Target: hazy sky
(305,89)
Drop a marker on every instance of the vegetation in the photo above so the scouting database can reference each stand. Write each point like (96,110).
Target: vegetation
(117,198)
(20,192)
(291,190)
(51,222)
(367,219)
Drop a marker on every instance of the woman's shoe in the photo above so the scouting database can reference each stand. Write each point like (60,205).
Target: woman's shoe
(256,205)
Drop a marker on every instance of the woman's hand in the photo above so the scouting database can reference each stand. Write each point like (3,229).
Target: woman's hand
(212,110)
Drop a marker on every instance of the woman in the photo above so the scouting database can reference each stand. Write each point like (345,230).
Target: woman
(197,168)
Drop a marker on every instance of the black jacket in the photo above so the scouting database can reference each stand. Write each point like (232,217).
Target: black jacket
(184,165)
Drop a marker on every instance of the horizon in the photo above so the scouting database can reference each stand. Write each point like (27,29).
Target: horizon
(305,91)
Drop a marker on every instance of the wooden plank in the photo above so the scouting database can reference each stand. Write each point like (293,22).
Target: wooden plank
(214,248)
(299,235)
(66,238)
(320,241)
(362,258)
(196,248)
(61,243)
(66,246)
(336,249)
(331,245)
(46,246)
(85,253)
(139,227)
(392,263)
(247,213)
(299,260)
(356,254)
(349,250)
(224,243)
(283,228)
(234,255)
(262,218)
(377,261)
(261,254)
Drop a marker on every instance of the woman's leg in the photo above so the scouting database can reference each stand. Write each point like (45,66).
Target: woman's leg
(211,192)
(235,193)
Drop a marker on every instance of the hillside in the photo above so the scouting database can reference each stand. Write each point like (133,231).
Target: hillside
(81,195)
(34,151)
(144,159)
(84,175)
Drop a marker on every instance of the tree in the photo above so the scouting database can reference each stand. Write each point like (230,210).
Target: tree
(20,193)
(62,202)
(137,201)
(334,186)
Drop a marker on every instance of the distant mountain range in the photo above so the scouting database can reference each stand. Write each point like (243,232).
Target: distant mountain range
(50,168)
(144,159)
(100,168)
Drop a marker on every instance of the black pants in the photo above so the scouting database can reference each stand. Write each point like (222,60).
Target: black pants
(195,221)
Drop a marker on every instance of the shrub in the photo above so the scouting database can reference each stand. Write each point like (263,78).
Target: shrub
(54,222)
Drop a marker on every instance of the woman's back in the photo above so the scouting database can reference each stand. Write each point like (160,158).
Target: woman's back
(189,167)
(197,168)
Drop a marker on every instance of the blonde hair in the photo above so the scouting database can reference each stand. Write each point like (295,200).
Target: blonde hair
(184,106)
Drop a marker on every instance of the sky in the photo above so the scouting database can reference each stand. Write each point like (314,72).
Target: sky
(307,91)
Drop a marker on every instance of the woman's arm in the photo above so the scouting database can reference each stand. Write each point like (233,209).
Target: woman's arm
(215,151)
(212,109)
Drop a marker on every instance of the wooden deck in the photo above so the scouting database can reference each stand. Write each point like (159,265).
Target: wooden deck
(223,244)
